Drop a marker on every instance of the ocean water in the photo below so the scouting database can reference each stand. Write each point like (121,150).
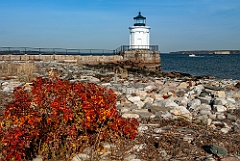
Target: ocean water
(220,66)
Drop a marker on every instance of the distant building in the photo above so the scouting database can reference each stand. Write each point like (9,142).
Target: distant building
(139,33)
(221,52)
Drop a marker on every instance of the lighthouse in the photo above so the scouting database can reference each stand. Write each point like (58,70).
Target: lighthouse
(139,33)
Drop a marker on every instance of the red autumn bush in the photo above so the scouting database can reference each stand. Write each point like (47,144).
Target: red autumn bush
(56,117)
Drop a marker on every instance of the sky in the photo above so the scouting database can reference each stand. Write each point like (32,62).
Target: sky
(104,24)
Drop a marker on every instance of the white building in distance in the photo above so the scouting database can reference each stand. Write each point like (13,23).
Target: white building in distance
(139,33)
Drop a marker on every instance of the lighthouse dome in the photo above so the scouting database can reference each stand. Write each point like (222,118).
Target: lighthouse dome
(139,20)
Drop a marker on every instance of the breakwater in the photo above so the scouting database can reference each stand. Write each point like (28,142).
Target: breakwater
(145,60)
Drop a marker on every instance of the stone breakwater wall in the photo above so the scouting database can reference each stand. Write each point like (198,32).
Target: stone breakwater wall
(64,58)
(134,60)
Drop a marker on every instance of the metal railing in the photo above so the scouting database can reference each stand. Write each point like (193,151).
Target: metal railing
(53,51)
(63,51)
(136,47)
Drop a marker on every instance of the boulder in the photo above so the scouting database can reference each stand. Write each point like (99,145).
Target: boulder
(220,94)
(220,108)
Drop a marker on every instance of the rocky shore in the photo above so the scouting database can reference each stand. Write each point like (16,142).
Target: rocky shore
(181,117)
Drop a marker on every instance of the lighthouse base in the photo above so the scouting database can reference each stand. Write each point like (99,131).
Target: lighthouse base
(142,60)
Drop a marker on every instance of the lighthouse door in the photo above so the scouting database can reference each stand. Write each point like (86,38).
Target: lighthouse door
(139,42)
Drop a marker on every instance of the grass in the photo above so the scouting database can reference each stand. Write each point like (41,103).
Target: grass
(24,72)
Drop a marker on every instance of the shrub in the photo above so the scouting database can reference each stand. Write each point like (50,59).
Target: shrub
(56,118)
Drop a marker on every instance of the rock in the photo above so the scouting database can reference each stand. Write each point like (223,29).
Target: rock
(138,147)
(220,101)
(180,93)
(209,159)
(166,115)
(158,130)
(129,115)
(141,94)
(181,112)
(198,89)
(194,104)
(205,112)
(142,128)
(129,157)
(231,100)
(81,157)
(188,139)
(220,94)
(183,85)
(170,104)
(7,89)
(133,99)
(106,84)
(4,84)
(218,150)
(38,158)
(203,119)
(150,88)
(205,100)
(221,116)
(163,153)
(220,108)
(230,159)
(225,130)
(149,100)
(140,104)
(231,117)
(135,160)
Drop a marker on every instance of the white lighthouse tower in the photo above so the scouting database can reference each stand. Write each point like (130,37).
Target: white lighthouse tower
(139,33)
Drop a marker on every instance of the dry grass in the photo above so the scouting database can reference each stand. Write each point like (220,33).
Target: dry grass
(24,72)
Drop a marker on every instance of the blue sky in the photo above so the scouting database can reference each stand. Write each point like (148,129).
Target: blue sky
(103,24)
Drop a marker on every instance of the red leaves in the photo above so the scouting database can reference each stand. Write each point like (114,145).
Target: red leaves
(55,109)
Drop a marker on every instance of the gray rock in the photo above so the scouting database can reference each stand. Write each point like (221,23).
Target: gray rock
(209,159)
(204,119)
(220,101)
(7,89)
(194,104)
(170,104)
(198,89)
(158,130)
(81,157)
(163,153)
(167,115)
(133,99)
(180,93)
(231,117)
(218,150)
(205,100)
(231,100)
(205,112)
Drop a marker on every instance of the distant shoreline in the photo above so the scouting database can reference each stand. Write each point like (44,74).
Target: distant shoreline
(207,52)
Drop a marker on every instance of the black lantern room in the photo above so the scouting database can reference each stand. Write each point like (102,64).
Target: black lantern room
(139,20)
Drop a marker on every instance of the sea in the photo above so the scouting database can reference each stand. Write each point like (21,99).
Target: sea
(223,66)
